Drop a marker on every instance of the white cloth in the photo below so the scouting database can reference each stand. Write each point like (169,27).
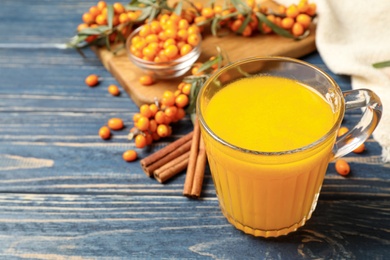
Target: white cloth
(352,35)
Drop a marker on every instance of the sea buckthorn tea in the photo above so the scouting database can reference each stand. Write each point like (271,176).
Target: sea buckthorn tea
(270,129)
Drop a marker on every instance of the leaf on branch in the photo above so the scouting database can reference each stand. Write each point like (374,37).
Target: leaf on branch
(382,64)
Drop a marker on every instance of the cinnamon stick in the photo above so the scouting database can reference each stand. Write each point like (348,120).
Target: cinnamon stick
(199,171)
(168,153)
(192,160)
(172,168)
(196,165)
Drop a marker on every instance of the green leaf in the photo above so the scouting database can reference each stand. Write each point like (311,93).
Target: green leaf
(94,31)
(273,26)
(382,64)
(178,8)
(110,15)
(240,6)
(244,24)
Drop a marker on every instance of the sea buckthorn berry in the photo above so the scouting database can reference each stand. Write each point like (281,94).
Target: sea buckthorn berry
(113,90)
(115,123)
(101,5)
(143,123)
(247,31)
(171,51)
(149,138)
(193,39)
(140,141)
(304,19)
(136,117)
(186,89)
(162,130)
(101,19)
(297,29)
(82,26)
(182,100)
(92,80)
(152,125)
(360,149)
(207,12)
(185,49)
(104,132)
(153,108)
(342,167)
(145,110)
(88,18)
(171,111)
(312,9)
(160,117)
(342,131)
(146,80)
(168,98)
(292,11)
(287,23)
(193,29)
(118,8)
(129,155)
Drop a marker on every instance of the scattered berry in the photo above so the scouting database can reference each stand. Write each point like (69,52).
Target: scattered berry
(113,90)
(115,124)
(92,80)
(342,167)
(129,155)
(104,132)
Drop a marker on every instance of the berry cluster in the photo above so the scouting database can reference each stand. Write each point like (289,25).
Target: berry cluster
(152,122)
(166,38)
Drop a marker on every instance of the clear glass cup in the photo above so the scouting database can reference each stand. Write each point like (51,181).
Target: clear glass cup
(270,194)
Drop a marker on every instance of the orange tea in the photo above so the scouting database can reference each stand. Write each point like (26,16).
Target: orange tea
(269,127)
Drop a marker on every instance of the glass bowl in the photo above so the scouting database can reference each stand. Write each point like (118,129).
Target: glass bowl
(164,70)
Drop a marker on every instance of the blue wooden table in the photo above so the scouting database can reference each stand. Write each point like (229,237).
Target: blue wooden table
(67,194)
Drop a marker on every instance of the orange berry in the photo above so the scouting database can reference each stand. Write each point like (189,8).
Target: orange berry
(88,18)
(342,167)
(168,98)
(153,108)
(236,25)
(193,29)
(162,130)
(101,19)
(287,23)
(118,8)
(180,114)
(145,110)
(104,132)
(304,19)
(312,9)
(142,123)
(113,90)
(193,39)
(152,125)
(82,26)
(342,131)
(292,11)
(136,117)
(186,88)
(303,6)
(297,29)
(115,123)
(171,111)
(92,80)
(160,117)
(247,31)
(171,51)
(185,49)
(129,155)
(101,5)
(123,18)
(146,80)
(207,12)
(140,141)
(182,100)
(361,148)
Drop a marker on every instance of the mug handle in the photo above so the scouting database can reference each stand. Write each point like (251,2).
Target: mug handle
(354,99)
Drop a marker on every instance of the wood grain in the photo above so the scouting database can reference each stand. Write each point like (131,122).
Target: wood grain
(67,194)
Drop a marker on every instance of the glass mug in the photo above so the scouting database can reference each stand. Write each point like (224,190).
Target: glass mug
(270,194)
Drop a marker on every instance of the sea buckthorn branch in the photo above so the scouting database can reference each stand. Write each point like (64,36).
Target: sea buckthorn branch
(105,25)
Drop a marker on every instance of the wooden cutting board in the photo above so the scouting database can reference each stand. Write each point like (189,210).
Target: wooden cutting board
(237,47)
